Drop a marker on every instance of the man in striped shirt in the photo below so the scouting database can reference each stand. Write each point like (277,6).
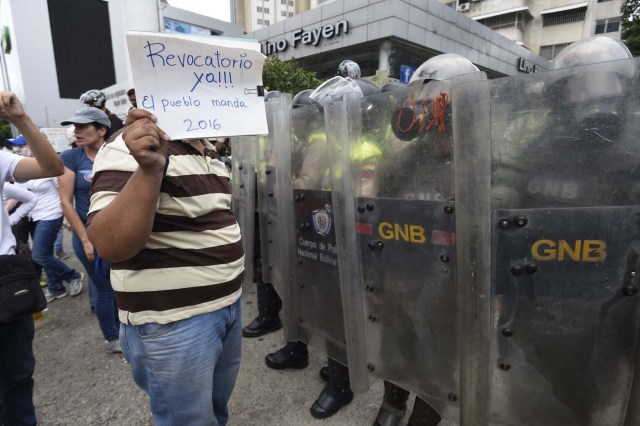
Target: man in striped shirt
(160,212)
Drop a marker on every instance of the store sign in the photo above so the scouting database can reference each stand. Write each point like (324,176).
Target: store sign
(311,37)
(527,67)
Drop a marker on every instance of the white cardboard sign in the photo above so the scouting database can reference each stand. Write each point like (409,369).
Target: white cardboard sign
(58,137)
(199,86)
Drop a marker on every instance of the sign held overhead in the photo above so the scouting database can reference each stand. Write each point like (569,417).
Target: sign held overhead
(199,86)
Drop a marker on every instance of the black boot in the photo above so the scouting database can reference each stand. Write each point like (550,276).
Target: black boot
(293,355)
(336,394)
(268,319)
(324,373)
(394,404)
(423,414)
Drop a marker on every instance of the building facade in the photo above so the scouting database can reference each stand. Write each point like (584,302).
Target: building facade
(255,14)
(545,27)
(389,38)
(542,26)
(54,50)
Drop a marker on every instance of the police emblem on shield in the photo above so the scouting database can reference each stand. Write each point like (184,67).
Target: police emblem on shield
(322,220)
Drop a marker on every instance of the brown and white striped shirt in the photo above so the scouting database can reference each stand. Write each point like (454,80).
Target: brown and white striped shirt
(193,261)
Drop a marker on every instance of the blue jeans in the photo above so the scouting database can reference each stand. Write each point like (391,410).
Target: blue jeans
(16,370)
(93,294)
(188,368)
(58,245)
(105,298)
(44,233)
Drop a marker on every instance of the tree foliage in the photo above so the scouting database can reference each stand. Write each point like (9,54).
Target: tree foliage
(287,76)
(630,11)
(5,130)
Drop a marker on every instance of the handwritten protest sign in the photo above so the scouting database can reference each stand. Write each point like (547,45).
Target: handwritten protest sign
(58,137)
(199,86)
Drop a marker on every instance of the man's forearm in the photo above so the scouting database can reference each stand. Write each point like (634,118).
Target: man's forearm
(120,230)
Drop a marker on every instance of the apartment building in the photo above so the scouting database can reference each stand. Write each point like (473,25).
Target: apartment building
(255,14)
(545,26)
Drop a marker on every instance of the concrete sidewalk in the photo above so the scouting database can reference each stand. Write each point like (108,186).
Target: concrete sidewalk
(78,383)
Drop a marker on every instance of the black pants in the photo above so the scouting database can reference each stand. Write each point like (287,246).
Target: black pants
(17,365)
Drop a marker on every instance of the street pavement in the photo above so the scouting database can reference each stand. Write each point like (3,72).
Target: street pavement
(78,383)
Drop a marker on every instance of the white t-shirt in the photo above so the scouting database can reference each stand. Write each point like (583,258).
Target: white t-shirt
(47,198)
(8,162)
(15,192)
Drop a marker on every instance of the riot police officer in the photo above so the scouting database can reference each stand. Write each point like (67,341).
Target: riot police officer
(269,303)
(585,111)
(309,167)
(583,161)
(419,170)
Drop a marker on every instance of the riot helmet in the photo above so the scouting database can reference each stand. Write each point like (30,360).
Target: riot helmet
(443,67)
(427,102)
(304,118)
(392,86)
(348,68)
(272,94)
(335,88)
(592,50)
(592,101)
(93,98)
(302,99)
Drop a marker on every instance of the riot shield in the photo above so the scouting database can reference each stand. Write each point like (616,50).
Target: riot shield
(243,180)
(551,205)
(393,193)
(275,204)
(315,286)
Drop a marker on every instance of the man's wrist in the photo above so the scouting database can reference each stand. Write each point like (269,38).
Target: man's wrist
(22,122)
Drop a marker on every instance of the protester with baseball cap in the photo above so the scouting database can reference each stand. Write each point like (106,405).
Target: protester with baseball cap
(19,146)
(18,140)
(88,115)
(92,129)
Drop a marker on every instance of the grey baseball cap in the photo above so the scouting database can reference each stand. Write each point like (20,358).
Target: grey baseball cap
(88,115)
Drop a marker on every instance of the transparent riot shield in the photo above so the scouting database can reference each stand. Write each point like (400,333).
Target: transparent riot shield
(243,180)
(552,206)
(315,286)
(393,191)
(275,204)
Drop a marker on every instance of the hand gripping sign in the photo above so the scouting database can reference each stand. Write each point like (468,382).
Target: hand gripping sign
(199,86)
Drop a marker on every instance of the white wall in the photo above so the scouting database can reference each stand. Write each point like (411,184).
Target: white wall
(31,64)
(11,61)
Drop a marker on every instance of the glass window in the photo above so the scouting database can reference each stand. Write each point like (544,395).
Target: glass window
(610,25)
(550,51)
(508,20)
(564,17)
